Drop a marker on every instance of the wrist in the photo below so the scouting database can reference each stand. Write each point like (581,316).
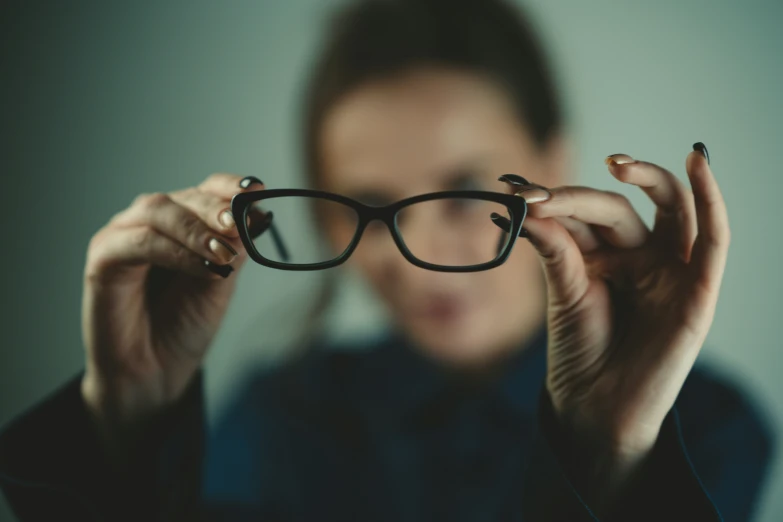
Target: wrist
(117,427)
(606,426)
(601,460)
(113,403)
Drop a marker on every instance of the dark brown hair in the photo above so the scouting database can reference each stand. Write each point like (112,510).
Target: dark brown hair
(372,39)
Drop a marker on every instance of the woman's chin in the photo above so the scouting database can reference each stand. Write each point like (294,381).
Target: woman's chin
(457,345)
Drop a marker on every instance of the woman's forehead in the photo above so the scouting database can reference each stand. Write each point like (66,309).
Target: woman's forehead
(416,126)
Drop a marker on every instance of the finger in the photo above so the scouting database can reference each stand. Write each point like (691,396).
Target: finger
(563,264)
(582,234)
(585,236)
(160,212)
(115,249)
(675,218)
(611,215)
(708,259)
(211,209)
(226,185)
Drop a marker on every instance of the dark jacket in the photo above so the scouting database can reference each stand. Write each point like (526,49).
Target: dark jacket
(378,435)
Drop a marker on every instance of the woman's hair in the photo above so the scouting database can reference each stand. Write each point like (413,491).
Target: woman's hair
(373,39)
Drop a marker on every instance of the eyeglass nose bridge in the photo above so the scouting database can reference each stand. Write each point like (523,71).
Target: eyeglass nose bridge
(387,216)
(370,214)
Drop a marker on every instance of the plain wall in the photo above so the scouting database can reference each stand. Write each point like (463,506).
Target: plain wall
(101,102)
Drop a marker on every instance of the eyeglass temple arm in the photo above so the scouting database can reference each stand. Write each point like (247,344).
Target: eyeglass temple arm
(277,238)
(505,225)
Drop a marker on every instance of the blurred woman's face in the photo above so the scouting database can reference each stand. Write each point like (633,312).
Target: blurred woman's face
(427,131)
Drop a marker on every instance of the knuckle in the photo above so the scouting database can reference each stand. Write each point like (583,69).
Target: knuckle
(96,241)
(140,199)
(152,201)
(193,229)
(618,199)
(118,217)
(565,192)
(141,237)
(96,268)
(95,264)
(98,259)
(565,195)
(682,195)
(189,193)
(93,271)
(215,179)
(178,255)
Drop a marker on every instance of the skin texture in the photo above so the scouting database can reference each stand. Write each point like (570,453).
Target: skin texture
(627,308)
(150,308)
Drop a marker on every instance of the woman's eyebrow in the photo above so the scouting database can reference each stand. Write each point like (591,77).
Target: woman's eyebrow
(370,197)
(466,177)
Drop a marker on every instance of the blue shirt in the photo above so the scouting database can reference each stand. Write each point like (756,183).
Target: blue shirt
(382,434)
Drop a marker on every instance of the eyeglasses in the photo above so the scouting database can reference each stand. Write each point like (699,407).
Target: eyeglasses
(451,231)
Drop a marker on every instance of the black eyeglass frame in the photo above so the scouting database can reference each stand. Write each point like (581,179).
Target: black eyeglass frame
(242,203)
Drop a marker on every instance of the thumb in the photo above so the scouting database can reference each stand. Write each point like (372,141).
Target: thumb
(564,266)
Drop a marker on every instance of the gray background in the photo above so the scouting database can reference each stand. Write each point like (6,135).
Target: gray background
(101,102)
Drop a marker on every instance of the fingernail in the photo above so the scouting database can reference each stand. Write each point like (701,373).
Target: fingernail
(227,219)
(249,180)
(222,250)
(618,159)
(524,233)
(700,147)
(534,194)
(259,227)
(222,270)
(513,179)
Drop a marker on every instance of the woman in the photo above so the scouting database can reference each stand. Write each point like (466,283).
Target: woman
(557,386)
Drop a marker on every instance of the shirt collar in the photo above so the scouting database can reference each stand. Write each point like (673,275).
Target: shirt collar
(404,381)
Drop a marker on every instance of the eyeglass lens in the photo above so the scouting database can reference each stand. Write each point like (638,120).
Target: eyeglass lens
(452,232)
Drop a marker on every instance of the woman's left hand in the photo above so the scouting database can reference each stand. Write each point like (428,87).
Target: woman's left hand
(628,308)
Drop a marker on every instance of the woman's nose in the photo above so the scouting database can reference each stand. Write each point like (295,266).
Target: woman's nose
(433,243)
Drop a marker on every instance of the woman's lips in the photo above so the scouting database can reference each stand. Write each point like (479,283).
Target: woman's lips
(441,309)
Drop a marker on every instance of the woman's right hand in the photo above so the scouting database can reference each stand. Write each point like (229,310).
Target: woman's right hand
(151,306)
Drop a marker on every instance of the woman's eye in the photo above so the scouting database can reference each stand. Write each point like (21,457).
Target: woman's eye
(461,205)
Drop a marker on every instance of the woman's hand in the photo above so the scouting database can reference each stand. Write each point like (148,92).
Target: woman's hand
(628,308)
(151,304)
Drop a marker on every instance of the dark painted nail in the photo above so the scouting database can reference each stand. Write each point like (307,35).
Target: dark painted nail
(524,233)
(222,270)
(258,228)
(513,179)
(249,180)
(700,147)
